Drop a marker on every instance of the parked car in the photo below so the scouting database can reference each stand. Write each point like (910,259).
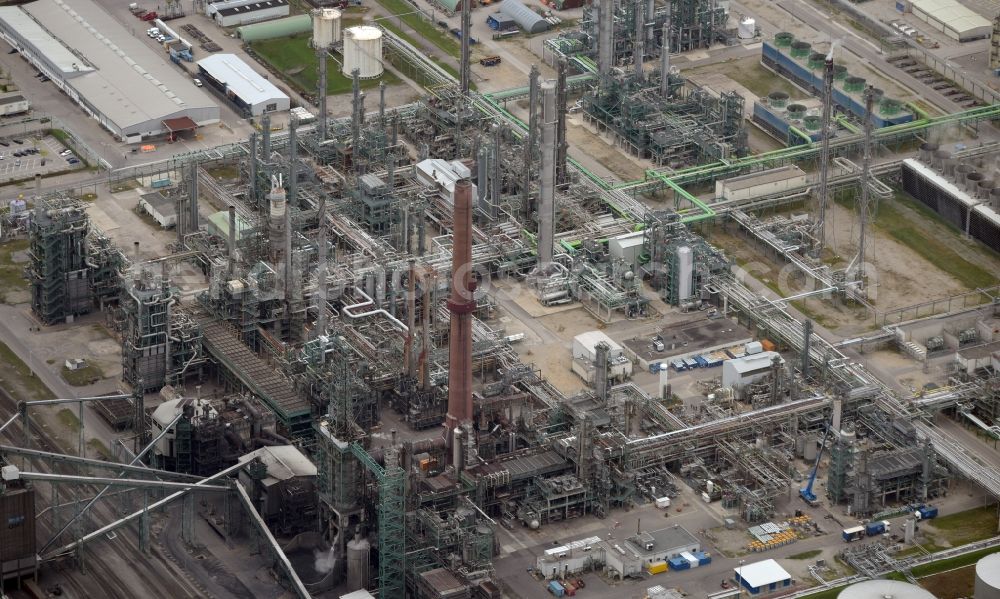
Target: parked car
(197,82)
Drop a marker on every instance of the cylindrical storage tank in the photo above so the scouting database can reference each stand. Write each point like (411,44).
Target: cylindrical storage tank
(817,60)
(747,28)
(777,99)
(854,84)
(358,554)
(363,51)
(801,49)
(813,122)
(927,150)
(783,39)
(796,111)
(880,589)
(685,261)
(326,27)
(995,198)
(839,72)
(988,577)
(984,188)
(972,181)
(800,445)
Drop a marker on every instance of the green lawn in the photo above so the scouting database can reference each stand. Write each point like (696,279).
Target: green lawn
(82,377)
(936,249)
(13,369)
(296,61)
(828,593)
(968,526)
(444,40)
(11,278)
(409,39)
(69,420)
(952,563)
(806,554)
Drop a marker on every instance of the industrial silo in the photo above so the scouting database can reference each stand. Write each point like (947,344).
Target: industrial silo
(883,589)
(747,28)
(988,577)
(363,51)
(927,150)
(326,27)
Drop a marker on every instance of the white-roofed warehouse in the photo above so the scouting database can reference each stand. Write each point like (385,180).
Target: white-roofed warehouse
(117,79)
(952,18)
(249,91)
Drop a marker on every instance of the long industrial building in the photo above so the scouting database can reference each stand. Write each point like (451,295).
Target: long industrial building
(111,74)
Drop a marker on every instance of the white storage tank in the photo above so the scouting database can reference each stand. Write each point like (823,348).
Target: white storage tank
(685,261)
(988,577)
(747,28)
(880,589)
(363,51)
(326,27)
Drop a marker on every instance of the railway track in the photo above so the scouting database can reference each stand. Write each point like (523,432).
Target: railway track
(110,568)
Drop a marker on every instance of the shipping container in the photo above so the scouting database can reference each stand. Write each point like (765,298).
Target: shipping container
(663,502)
(876,528)
(656,567)
(853,534)
(679,563)
(703,558)
(768,345)
(556,589)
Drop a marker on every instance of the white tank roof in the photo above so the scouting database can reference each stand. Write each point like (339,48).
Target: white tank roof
(884,589)
(988,570)
(365,32)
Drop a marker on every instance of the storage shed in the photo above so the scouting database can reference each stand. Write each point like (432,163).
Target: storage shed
(13,103)
(235,16)
(762,577)
(952,18)
(500,22)
(527,19)
(244,87)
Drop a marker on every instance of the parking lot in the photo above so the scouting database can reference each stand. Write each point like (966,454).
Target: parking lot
(36,151)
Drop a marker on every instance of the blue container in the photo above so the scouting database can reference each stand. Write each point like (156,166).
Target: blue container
(678,563)
(556,589)
(703,558)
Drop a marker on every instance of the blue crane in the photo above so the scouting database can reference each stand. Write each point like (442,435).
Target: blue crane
(806,492)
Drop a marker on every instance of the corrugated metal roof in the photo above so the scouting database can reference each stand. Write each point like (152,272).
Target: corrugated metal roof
(44,42)
(125,96)
(526,18)
(953,14)
(240,78)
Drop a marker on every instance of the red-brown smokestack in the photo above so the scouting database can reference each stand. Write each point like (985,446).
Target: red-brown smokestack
(461,305)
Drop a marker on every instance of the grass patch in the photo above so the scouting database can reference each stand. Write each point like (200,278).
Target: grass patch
(749,73)
(69,420)
(937,250)
(406,13)
(409,39)
(968,526)
(11,273)
(99,448)
(806,554)
(952,584)
(14,370)
(951,563)
(296,62)
(224,171)
(831,593)
(81,377)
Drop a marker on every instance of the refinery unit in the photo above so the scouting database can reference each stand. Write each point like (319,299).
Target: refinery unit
(323,368)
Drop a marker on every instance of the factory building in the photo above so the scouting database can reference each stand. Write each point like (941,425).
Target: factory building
(248,91)
(585,355)
(749,369)
(13,103)
(235,14)
(286,488)
(765,183)
(762,578)
(950,17)
(114,76)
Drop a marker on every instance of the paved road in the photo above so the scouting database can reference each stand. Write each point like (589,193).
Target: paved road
(15,327)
